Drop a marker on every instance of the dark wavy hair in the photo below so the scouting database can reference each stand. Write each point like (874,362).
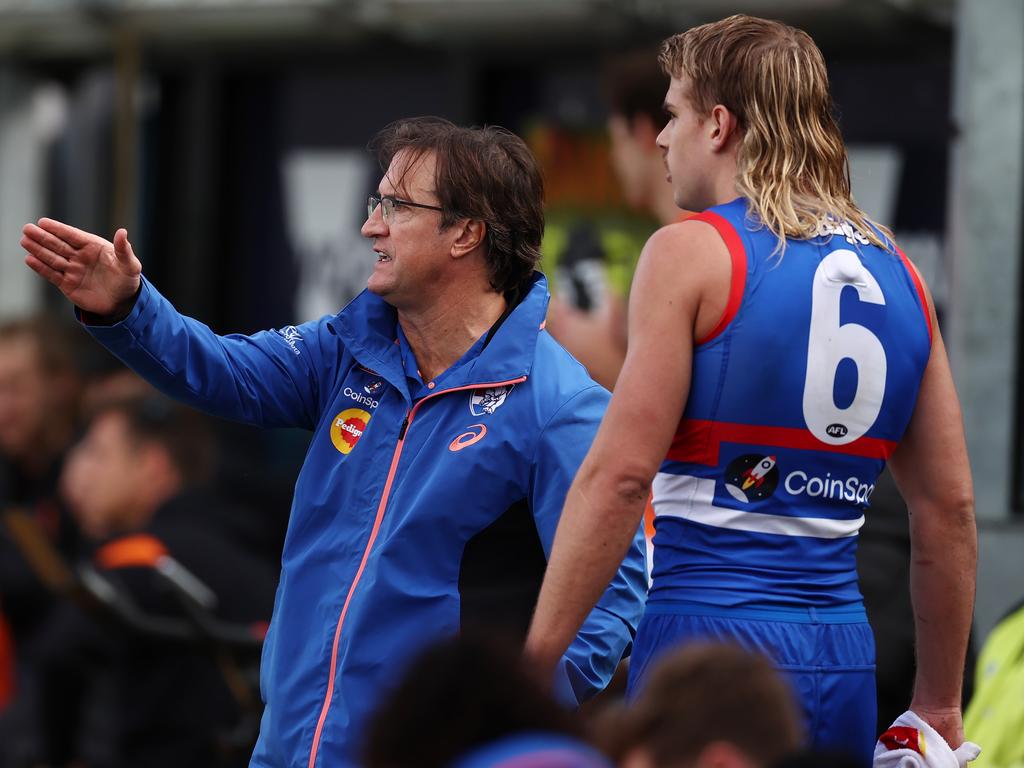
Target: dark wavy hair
(488,174)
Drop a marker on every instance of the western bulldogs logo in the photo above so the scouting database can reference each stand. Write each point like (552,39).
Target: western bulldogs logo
(484,402)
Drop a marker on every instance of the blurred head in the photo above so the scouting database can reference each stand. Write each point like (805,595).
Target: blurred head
(38,390)
(456,697)
(771,79)
(635,86)
(709,706)
(489,190)
(136,454)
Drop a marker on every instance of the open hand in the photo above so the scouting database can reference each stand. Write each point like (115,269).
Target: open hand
(99,276)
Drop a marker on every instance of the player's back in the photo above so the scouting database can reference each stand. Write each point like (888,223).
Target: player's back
(797,398)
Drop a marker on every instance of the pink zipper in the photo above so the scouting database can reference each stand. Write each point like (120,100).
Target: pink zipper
(369,545)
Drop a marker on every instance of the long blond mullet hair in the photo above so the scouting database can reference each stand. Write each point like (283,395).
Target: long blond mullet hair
(791,165)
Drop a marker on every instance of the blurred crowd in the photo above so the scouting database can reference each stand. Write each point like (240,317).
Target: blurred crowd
(134,593)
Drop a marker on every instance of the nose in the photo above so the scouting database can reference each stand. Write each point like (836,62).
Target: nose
(662,140)
(374,226)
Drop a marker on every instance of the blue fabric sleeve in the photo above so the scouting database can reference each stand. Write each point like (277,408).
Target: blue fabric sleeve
(607,634)
(269,379)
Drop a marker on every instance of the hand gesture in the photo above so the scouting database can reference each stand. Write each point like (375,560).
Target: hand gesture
(99,276)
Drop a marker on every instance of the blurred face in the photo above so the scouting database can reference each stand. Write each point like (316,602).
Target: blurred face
(628,160)
(413,257)
(684,144)
(102,478)
(23,402)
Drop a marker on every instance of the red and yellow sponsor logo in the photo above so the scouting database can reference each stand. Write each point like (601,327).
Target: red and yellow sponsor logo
(347,427)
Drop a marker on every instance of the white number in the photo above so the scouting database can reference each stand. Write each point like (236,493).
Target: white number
(830,343)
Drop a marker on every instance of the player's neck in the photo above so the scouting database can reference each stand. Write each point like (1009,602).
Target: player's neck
(442,333)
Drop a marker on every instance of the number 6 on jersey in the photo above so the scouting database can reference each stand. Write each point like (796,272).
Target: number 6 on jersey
(830,343)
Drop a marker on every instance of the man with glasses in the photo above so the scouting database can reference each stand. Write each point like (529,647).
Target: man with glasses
(447,428)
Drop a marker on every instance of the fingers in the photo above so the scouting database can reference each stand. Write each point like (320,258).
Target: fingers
(43,250)
(76,238)
(122,248)
(47,240)
(48,273)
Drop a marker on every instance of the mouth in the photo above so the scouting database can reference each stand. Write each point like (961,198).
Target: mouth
(382,257)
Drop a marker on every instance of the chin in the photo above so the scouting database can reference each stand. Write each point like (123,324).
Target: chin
(377,286)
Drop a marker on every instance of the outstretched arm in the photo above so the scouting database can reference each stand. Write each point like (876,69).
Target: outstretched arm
(265,379)
(932,471)
(97,275)
(681,266)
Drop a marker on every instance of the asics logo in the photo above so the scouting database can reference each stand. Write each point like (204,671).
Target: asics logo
(473,434)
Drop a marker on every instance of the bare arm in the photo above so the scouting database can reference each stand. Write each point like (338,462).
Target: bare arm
(97,275)
(679,290)
(932,471)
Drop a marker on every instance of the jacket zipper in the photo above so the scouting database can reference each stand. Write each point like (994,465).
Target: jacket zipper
(369,546)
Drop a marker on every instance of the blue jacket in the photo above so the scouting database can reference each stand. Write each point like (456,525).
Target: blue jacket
(416,503)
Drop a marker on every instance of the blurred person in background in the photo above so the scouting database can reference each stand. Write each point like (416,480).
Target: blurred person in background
(995,715)
(634,86)
(471,701)
(594,331)
(781,349)
(39,388)
(448,426)
(136,484)
(708,706)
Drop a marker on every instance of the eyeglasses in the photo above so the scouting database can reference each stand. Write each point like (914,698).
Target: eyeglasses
(388,204)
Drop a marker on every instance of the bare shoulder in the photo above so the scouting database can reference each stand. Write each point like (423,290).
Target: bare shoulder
(693,239)
(690,262)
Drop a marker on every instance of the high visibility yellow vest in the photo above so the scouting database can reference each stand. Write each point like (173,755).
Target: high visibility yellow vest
(995,717)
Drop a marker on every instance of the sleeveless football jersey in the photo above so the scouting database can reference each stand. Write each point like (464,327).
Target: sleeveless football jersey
(797,399)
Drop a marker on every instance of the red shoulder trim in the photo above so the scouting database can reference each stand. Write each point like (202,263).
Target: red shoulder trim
(920,289)
(739,269)
(139,551)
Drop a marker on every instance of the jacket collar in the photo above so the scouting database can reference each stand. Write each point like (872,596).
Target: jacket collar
(368,327)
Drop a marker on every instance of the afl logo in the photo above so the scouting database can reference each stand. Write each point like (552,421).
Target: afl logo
(751,477)
(836,430)
(347,427)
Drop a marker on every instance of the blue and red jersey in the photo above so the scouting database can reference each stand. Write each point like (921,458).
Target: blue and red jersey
(797,399)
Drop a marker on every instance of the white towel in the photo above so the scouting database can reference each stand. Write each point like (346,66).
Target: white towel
(911,743)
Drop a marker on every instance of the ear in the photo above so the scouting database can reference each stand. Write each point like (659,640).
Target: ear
(470,234)
(724,126)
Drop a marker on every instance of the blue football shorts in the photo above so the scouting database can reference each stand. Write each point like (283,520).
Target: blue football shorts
(828,656)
